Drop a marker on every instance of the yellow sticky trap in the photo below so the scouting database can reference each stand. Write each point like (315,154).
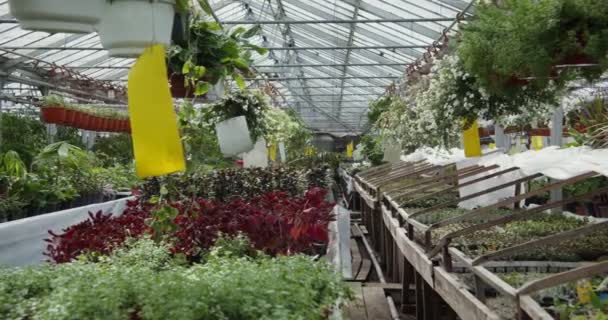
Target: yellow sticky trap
(272,152)
(472,144)
(309,151)
(349,150)
(156,143)
(537,142)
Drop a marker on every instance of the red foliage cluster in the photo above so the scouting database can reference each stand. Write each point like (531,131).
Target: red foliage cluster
(100,233)
(275,223)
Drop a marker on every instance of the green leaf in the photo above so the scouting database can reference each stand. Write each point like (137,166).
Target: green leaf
(199,71)
(240,63)
(240,82)
(63,150)
(182,6)
(255,30)
(163,191)
(201,88)
(258,49)
(186,67)
(237,31)
(206,6)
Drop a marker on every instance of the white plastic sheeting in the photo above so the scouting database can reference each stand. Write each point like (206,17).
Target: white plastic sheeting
(22,241)
(435,156)
(555,163)
(489,198)
(258,157)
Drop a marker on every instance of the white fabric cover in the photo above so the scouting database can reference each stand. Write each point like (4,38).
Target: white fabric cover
(21,241)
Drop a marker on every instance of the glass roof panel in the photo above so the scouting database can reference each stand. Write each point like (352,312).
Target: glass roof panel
(349,75)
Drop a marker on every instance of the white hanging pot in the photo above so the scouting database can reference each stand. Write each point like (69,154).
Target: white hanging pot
(70,16)
(233,136)
(128,27)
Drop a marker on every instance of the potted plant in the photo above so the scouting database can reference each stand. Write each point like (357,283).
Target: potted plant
(211,54)
(53,16)
(128,27)
(239,121)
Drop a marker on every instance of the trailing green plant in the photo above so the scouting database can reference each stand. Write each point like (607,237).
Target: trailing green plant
(250,104)
(199,139)
(213,54)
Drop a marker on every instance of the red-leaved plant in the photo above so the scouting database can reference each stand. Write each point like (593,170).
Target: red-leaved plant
(275,223)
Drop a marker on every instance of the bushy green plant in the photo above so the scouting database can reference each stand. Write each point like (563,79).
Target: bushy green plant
(114,149)
(143,283)
(376,108)
(519,38)
(21,134)
(372,149)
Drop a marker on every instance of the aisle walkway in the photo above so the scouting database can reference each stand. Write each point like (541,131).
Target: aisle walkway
(374,298)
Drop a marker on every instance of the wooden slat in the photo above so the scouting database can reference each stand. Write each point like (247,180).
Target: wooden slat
(356,261)
(521,214)
(376,304)
(460,300)
(369,200)
(485,275)
(533,309)
(385,286)
(554,239)
(511,200)
(355,309)
(355,232)
(564,277)
(412,251)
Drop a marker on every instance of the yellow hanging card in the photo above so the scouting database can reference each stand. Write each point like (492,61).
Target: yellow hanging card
(472,144)
(537,142)
(156,143)
(272,152)
(349,150)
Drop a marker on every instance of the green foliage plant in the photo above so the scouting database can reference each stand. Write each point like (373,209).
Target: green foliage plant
(214,54)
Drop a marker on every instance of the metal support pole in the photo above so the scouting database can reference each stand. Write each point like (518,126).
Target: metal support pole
(337,21)
(501,138)
(2,82)
(557,140)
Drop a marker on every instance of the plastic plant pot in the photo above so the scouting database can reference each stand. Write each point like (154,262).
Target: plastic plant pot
(53,114)
(53,16)
(128,27)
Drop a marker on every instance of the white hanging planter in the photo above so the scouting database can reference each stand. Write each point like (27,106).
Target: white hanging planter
(71,16)
(233,136)
(130,26)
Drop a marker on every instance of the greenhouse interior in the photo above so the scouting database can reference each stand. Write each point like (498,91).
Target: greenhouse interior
(305,160)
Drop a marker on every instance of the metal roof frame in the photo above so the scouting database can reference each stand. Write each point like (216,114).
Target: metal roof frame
(327,57)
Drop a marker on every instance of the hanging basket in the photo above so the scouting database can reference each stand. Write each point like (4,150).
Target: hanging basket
(70,16)
(233,136)
(129,26)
